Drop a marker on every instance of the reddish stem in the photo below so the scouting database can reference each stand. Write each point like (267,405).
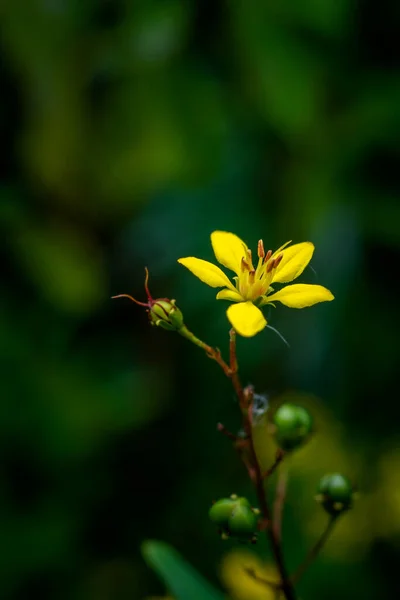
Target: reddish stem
(315,550)
(280,496)
(245,400)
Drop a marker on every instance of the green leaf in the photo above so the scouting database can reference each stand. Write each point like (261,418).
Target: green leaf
(181,579)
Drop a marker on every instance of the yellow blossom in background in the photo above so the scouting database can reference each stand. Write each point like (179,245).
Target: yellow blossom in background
(240,584)
(252,288)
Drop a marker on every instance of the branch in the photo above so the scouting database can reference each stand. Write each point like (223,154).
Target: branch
(280,496)
(246,401)
(315,550)
(280,455)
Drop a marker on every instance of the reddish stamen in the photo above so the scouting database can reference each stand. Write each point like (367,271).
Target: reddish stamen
(245,266)
(260,249)
(252,275)
(278,260)
(268,256)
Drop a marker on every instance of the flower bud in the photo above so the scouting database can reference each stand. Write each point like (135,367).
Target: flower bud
(243,522)
(164,313)
(235,517)
(335,493)
(293,425)
(221,511)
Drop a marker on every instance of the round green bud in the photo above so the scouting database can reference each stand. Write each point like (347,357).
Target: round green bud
(242,522)
(164,313)
(235,517)
(293,425)
(221,511)
(335,493)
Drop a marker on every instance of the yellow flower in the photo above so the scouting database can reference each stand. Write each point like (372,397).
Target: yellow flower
(252,287)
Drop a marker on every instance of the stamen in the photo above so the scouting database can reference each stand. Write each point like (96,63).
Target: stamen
(245,266)
(268,256)
(277,260)
(260,249)
(250,259)
(270,266)
(252,275)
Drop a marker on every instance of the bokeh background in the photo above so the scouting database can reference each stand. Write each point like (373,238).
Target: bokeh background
(130,130)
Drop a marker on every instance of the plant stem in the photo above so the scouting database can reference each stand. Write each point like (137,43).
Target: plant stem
(280,496)
(234,370)
(211,352)
(313,553)
(286,584)
(280,455)
(257,476)
(245,398)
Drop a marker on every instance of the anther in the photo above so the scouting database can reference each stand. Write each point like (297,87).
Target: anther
(260,249)
(277,260)
(245,266)
(252,275)
(270,266)
(268,256)
(250,259)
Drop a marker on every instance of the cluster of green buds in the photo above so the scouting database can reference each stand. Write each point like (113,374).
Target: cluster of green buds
(292,426)
(162,311)
(335,493)
(235,517)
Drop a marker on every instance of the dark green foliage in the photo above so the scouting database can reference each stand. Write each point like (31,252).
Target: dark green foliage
(130,130)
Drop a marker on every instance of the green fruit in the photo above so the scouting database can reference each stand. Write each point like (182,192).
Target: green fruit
(242,522)
(293,426)
(221,511)
(335,493)
(235,517)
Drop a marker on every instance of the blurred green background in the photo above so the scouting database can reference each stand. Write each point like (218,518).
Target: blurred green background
(130,130)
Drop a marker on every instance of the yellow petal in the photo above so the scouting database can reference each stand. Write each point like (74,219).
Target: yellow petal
(281,248)
(301,295)
(294,261)
(229,250)
(234,296)
(206,271)
(246,318)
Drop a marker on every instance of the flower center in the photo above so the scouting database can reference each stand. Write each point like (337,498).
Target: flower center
(253,283)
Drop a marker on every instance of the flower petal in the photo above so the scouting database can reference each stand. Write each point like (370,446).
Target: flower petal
(246,318)
(232,295)
(301,295)
(294,261)
(229,250)
(275,254)
(206,271)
